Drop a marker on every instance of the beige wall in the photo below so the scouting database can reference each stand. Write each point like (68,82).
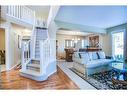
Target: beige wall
(104,42)
(18,31)
(2,39)
(61,43)
(41,17)
(13,53)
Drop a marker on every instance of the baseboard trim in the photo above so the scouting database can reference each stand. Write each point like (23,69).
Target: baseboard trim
(10,68)
(14,66)
(52,73)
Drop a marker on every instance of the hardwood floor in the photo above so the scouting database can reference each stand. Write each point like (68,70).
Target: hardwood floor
(59,80)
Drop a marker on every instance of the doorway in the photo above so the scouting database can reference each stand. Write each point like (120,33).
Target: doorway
(2,49)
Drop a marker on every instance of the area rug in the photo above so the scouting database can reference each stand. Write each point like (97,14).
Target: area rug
(102,80)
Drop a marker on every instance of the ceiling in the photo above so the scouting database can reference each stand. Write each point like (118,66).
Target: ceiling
(41,10)
(96,16)
(68,32)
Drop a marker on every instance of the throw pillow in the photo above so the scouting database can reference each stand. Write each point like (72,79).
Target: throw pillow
(98,55)
(80,56)
(94,56)
(76,55)
(101,55)
(90,56)
(85,57)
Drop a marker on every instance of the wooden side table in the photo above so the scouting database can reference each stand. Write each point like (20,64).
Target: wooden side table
(69,54)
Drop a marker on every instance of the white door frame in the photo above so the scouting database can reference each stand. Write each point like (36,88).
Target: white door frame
(116,31)
(6,25)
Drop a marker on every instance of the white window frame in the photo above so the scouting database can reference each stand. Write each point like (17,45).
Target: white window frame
(117,31)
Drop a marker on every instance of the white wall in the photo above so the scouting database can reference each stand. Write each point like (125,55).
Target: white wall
(6,26)
(104,42)
(52,28)
(61,43)
(18,31)
(13,53)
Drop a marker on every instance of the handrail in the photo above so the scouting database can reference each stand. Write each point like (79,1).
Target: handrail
(39,36)
(25,54)
(46,54)
(21,13)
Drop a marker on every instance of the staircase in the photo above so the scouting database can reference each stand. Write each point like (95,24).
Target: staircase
(37,59)
(41,66)
(41,35)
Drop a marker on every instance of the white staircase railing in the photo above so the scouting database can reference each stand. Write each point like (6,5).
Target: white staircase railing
(25,54)
(33,43)
(21,13)
(46,54)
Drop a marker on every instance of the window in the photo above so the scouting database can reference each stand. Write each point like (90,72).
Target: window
(83,43)
(69,44)
(118,45)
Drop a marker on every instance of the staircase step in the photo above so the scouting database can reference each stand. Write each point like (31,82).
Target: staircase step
(37,50)
(33,75)
(37,46)
(33,68)
(35,61)
(38,54)
(30,72)
(36,65)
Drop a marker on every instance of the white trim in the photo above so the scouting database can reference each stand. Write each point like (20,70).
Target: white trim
(117,31)
(52,73)
(14,66)
(5,25)
(81,83)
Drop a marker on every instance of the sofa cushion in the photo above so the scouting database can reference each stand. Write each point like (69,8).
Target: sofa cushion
(84,55)
(78,60)
(90,55)
(101,55)
(97,63)
(76,54)
(94,56)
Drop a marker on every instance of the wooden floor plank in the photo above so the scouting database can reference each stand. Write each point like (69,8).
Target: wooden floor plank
(59,80)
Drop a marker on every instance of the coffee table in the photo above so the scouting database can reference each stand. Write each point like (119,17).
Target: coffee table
(121,69)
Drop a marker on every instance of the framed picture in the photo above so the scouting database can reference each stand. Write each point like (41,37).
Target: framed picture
(94,41)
